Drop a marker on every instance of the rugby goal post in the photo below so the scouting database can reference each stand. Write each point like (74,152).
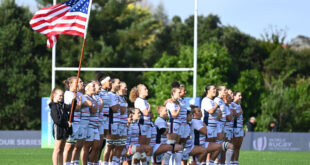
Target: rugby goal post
(194,69)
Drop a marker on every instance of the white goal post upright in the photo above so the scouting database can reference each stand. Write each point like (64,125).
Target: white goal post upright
(54,59)
(195,48)
(194,69)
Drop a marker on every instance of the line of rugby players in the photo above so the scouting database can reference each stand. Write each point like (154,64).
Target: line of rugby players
(104,126)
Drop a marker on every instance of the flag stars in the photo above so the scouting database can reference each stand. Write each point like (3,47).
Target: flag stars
(79,6)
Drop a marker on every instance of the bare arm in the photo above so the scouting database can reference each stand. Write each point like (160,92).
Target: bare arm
(93,109)
(79,104)
(147,111)
(212,110)
(123,110)
(219,115)
(166,132)
(87,103)
(238,114)
(174,113)
(203,130)
(101,105)
(230,116)
(115,108)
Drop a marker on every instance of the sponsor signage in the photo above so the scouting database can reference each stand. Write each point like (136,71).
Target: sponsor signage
(46,124)
(191,100)
(20,139)
(280,141)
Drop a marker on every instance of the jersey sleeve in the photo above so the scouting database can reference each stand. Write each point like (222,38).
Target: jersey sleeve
(170,106)
(206,105)
(114,100)
(217,101)
(139,103)
(68,96)
(197,124)
(228,108)
(83,98)
(160,124)
(238,106)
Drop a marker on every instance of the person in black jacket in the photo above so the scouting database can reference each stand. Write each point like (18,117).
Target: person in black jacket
(251,124)
(60,115)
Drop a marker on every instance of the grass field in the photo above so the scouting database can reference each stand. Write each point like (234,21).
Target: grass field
(36,156)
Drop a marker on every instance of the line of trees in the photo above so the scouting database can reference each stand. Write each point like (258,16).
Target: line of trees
(274,79)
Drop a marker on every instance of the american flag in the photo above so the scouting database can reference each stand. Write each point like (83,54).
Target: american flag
(68,18)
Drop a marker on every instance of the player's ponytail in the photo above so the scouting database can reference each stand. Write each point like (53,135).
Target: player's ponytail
(205,92)
(68,81)
(133,94)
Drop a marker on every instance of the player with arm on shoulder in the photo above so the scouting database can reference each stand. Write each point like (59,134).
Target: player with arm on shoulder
(199,132)
(162,149)
(138,96)
(105,82)
(175,120)
(90,115)
(238,131)
(209,114)
(135,148)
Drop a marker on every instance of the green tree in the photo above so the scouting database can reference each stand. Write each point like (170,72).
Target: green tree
(288,106)
(213,68)
(118,34)
(251,85)
(23,71)
(125,31)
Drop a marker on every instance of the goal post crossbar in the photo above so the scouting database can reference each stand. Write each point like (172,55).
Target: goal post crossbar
(124,69)
(194,69)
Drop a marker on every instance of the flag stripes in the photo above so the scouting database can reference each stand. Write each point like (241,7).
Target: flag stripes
(68,18)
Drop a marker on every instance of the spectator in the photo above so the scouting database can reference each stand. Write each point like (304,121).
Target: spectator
(273,127)
(251,124)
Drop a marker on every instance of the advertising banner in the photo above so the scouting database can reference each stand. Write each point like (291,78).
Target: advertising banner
(20,139)
(47,140)
(276,141)
(191,100)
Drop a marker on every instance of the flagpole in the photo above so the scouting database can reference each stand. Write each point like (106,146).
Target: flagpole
(81,58)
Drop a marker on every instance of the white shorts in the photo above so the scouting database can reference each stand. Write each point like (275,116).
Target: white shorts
(105,123)
(155,147)
(211,132)
(206,145)
(186,152)
(183,132)
(174,128)
(158,159)
(101,128)
(92,134)
(219,126)
(122,130)
(114,129)
(238,132)
(187,132)
(75,132)
(146,131)
(82,133)
(229,132)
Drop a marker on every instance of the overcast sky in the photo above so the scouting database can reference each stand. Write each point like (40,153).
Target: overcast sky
(250,16)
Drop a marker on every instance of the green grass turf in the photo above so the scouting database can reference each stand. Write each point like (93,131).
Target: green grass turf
(37,156)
